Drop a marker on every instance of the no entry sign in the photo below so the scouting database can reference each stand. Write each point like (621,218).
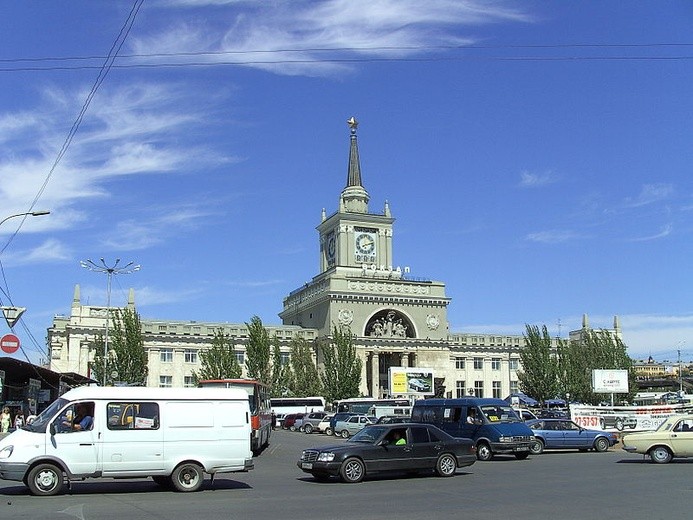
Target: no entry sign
(9,343)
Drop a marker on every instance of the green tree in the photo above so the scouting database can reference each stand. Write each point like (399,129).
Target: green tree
(219,361)
(539,375)
(126,359)
(342,375)
(306,380)
(257,353)
(281,374)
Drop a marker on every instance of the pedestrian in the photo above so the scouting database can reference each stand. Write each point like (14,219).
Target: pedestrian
(5,420)
(274,420)
(18,420)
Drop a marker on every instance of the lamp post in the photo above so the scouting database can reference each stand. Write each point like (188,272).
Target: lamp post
(111,270)
(28,214)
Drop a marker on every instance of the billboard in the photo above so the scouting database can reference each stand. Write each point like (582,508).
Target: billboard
(411,381)
(610,381)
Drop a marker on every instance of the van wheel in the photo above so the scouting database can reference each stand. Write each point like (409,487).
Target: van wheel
(187,477)
(46,480)
(483,451)
(352,470)
(308,428)
(446,465)
(345,434)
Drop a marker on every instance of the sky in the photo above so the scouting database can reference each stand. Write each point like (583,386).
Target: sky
(536,156)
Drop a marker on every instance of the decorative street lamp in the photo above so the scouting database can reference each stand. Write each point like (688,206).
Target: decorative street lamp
(128,268)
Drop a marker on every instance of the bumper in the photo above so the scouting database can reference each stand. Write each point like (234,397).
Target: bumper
(325,468)
(13,471)
(630,449)
(501,447)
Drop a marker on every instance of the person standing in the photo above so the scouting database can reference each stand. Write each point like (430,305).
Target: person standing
(18,420)
(5,420)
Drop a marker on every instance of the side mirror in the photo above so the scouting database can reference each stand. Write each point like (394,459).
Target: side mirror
(51,428)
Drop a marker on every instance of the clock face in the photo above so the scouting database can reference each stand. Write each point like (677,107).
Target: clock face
(365,243)
(331,245)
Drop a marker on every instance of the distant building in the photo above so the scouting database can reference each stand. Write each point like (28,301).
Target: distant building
(398,320)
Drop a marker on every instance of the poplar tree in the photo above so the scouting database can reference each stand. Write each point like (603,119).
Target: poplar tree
(306,380)
(126,360)
(258,350)
(539,375)
(342,376)
(219,361)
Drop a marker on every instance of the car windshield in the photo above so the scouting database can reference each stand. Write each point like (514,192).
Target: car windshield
(369,434)
(41,422)
(499,413)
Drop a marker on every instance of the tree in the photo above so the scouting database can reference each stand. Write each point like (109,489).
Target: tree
(257,353)
(281,374)
(342,375)
(306,380)
(126,358)
(539,375)
(219,361)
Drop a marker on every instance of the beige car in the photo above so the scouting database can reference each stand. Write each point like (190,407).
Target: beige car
(673,438)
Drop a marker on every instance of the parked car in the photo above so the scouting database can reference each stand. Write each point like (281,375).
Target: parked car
(289,422)
(324,424)
(393,419)
(565,434)
(525,415)
(353,424)
(311,421)
(298,422)
(339,416)
(673,438)
(373,450)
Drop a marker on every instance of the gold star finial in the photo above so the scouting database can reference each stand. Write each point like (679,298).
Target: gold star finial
(353,124)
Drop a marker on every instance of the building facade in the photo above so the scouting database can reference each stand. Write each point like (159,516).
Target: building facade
(398,320)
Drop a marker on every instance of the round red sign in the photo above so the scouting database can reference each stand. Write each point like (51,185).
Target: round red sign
(9,343)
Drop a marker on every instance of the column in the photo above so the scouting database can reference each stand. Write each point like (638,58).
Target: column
(404,360)
(375,373)
(363,387)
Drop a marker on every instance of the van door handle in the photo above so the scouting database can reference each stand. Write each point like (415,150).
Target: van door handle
(86,443)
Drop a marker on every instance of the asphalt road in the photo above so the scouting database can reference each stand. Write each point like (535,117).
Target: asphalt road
(562,485)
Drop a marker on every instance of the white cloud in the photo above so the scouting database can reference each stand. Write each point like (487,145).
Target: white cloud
(530,180)
(664,232)
(49,251)
(554,237)
(649,193)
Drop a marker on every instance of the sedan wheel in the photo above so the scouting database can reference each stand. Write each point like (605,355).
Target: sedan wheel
(308,428)
(660,455)
(345,434)
(601,444)
(537,447)
(329,431)
(352,470)
(446,465)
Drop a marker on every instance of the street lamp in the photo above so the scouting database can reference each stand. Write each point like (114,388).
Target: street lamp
(128,268)
(28,214)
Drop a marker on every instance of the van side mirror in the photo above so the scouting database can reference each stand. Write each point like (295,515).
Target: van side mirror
(51,428)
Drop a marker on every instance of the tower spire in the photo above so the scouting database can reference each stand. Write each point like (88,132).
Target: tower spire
(354,196)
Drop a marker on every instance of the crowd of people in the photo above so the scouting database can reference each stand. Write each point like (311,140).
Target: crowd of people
(7,421)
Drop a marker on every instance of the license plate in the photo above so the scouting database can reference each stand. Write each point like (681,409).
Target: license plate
(522,448)
(306,465)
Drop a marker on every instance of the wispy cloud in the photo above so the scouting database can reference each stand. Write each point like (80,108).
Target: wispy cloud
(304,37)
(555,236)
(649,194)
(532,180)
(50,251)
(666,231)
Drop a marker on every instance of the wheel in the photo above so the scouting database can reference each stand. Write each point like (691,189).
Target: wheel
(187,477)
(537,447)
(352,470)
(522,455)
(619,424)
(292,428)
(345,434)
(660,454)
(483,451)
(446,465)
(164,482)
(601,444)
(46,480)
(308,428)
(329,431)
(321,477)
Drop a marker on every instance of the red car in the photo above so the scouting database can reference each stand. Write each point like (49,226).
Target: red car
(290,421)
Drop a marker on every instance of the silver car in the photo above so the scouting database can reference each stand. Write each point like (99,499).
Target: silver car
(353,424)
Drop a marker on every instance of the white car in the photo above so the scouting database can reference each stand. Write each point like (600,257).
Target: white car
(673,438)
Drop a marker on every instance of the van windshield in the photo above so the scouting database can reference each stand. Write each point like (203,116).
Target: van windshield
(41,422)
(498,413)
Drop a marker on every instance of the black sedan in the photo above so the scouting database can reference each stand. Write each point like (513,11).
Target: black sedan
(390,447)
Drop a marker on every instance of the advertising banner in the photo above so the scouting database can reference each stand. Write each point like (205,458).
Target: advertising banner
(411,381)
(610,381)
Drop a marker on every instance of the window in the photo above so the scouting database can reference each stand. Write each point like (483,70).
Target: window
(284,358)
(163,328)
(189,382)
(478,363)
(166,355)
(165,381)
(514,387)
(133,415)
(240,357)
(460,387)
(495,363)
(497,389)
(478,388)
(190,355)
(459,363)
(514,364)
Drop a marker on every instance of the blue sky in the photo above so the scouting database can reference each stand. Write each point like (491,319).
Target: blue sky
(536,156)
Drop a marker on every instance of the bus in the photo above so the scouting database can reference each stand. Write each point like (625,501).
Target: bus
(365,404)
(282,406)
(260,411)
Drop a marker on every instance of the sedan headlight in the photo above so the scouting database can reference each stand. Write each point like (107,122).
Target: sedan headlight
(326,456)
(6,452)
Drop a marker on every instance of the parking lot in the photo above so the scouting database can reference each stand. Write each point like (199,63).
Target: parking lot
(555,484)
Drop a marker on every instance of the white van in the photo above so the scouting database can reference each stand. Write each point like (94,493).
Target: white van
(173,435)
